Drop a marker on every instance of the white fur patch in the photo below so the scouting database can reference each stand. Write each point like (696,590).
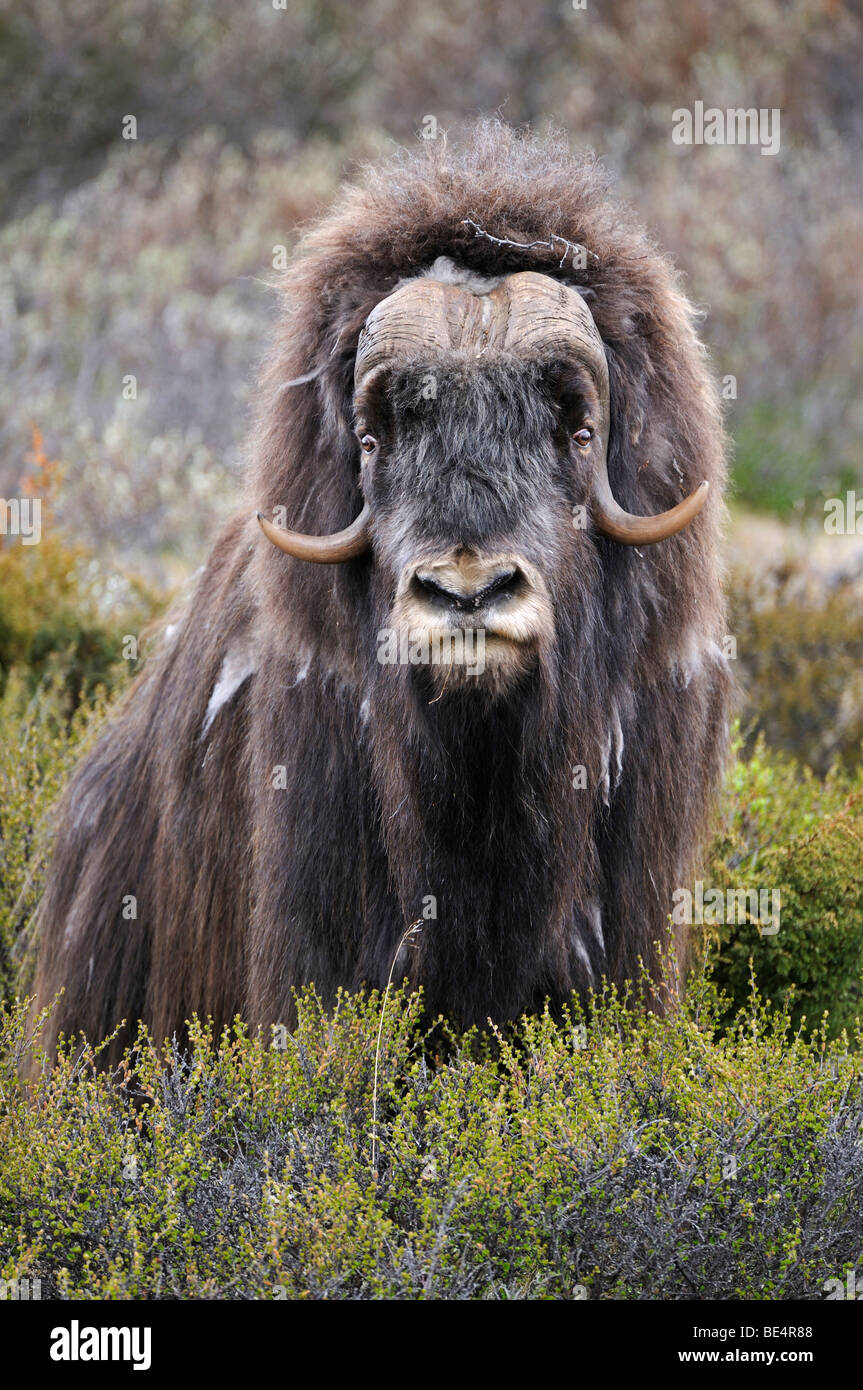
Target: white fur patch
(581,951)
(690,657)
(448,273)
(716,652)
(617,747)
(237,666)
(612,760)
(73,928)
(84,808)
(304,670)
(594,916)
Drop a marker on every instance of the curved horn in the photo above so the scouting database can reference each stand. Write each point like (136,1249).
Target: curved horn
(395,328)
(545,312)
(622,526)
(548,314)
(322,550)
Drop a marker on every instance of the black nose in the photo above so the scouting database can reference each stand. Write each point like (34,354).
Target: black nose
(467,600)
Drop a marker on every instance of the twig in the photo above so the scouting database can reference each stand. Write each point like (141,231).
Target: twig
(413,930)
(552,243)
(444,686)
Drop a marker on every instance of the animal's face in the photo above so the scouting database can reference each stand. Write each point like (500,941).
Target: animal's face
(477,474)
(482,415)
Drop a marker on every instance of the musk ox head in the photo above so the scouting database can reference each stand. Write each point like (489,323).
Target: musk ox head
(482,410)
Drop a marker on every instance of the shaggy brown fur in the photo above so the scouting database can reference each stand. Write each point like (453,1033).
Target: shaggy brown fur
(245,889)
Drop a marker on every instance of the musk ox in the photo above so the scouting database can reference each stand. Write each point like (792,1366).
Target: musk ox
(476,678)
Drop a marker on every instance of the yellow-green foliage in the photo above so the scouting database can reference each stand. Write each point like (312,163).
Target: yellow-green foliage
(615,1155)
(39,746)
(62,628)
(43,629)
(800,650)
(789,831)
(62,620)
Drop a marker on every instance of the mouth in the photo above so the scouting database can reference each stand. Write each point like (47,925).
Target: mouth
(450,608)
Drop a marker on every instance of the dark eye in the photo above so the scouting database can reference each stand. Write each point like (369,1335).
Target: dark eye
(583,437)
(368,443)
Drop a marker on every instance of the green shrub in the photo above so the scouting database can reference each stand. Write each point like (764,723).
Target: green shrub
(616,1155)
(787,831)
(63,622)
(781,463)
(39,745)
(800,654)
(62,619)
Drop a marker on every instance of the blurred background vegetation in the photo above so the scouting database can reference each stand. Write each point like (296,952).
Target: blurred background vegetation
(153,258)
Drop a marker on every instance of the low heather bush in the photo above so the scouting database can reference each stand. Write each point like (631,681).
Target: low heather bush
(799,838)
(613,1155)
